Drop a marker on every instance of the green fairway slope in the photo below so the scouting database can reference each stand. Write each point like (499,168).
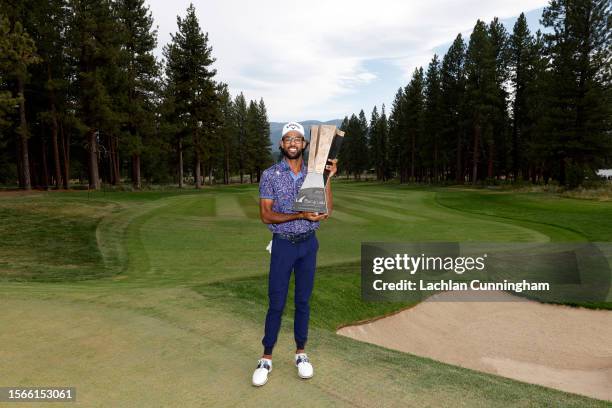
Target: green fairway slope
(158,299)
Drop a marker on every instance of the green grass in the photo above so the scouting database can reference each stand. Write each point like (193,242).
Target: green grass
(336,299)
(146,286)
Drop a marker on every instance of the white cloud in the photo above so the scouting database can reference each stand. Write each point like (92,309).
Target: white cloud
(303,57)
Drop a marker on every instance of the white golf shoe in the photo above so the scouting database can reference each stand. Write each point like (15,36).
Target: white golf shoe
(260,376)
(303,365)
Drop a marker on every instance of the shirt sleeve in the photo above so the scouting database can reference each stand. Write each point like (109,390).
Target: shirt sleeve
(266,190)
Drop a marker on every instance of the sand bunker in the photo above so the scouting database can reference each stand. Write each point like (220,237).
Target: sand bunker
(561,347)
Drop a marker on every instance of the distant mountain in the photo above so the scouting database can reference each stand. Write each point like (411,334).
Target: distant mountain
(277,127)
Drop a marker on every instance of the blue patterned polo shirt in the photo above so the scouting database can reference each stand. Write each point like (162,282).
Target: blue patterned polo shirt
(280,184)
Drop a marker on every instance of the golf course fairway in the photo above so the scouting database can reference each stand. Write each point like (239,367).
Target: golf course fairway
(159,298)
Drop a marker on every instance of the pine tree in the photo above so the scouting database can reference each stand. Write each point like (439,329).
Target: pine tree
(46,22)
(17,53)
(188,68)
(432,116)
(373,144)
(240,136)
(399,135)
(360,146)
(481,91)
(263,154)
(344,154)
(94,50)
(382,146)
(537,103)
(252,138)
(453,121)
(227,131)
(414,119)
(579,45)
(141,72)
(521,43)
(496,140)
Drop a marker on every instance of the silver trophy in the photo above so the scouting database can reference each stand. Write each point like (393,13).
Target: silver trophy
(325,142)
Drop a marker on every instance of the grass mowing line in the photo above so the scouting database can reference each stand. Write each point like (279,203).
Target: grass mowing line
(250,204)
(573,233)
(344,216)
(378,211)
(111,231)
(228,206)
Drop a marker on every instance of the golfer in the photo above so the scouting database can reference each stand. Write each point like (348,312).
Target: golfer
(294,247)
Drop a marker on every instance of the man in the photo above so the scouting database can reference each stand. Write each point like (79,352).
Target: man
(294,247)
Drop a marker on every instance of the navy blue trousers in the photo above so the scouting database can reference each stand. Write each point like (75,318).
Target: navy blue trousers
(286,257)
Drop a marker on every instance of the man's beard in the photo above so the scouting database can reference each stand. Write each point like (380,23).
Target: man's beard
(292,156)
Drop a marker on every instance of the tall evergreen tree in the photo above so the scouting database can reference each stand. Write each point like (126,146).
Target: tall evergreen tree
(344,154)
(414,119)
(453,122)
(227,131)
(240,118)
(46,22)
(138,40)
(521,45)
(538,147)
(432,117)
(383,141)
(579,43)
(496,139)
(360,146)
(17,53)
(263,154)
(373,143)
(481,91)
(252,138)
(188,68)
(94,49)
(379,142)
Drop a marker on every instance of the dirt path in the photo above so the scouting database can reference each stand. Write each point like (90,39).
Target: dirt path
(561,347)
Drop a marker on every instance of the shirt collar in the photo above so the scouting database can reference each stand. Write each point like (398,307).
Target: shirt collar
(285,166)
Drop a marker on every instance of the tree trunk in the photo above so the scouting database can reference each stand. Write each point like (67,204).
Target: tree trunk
(66,153)
(45,171)
(23,138)
(198,171)
(57,167)
(490,160)
(412,156)
(226,170)
(113,167)
(116,160)
(180,152)
(94,176)
(476,152)
(435,169)
(562,180)
(136,171)
(459,169)
(19,166)
(54,129)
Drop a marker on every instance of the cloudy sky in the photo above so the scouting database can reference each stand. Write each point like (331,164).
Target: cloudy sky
(327,59)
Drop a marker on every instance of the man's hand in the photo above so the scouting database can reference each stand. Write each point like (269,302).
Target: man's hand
(310,216)
(333,168)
